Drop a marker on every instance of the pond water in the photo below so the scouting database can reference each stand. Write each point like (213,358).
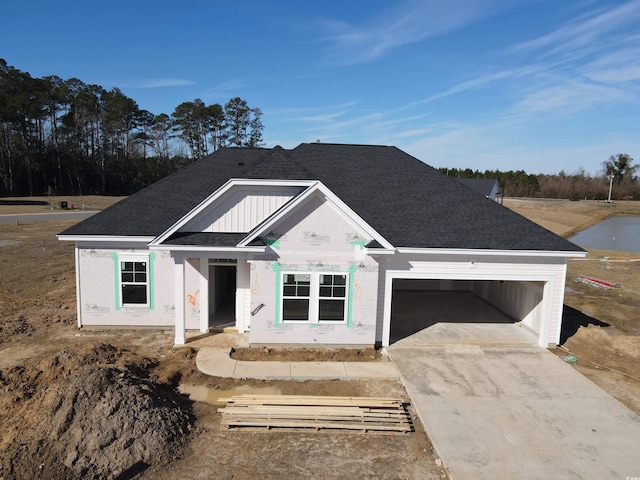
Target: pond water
(614,233)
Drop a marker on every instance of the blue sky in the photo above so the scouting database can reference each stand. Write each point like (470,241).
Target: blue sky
(541,86)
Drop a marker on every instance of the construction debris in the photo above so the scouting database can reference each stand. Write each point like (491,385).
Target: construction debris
(594,282)
(316,413)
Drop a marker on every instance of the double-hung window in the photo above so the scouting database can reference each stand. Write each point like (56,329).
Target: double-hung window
(134,280)
(314,297)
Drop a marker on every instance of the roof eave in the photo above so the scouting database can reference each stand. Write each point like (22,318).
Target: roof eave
(487,252)
(105,238)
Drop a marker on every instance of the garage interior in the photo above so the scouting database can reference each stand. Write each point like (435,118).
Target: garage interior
(438,311)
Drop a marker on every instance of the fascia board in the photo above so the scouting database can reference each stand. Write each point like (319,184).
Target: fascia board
(342,208)
(380,251)
(506,253)
(104,238)
(202,248)
(219,193)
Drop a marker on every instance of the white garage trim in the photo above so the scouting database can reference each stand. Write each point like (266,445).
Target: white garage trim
(553,291)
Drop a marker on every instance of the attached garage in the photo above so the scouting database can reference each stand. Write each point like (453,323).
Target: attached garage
(525,288)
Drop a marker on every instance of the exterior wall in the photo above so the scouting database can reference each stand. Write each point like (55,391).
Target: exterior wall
(315,238)
(520,300)
(98,294)
(548,273)
(241,209)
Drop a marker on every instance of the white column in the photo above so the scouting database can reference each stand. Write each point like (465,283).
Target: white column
(386,315)
(204,294)
(178,274)
(78,287)
(240,294)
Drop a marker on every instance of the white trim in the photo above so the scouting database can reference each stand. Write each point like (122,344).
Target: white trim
(78,290)
(342,208)
(315,298)
(104,238)
(202,248)
(135,257)
(479,252)
(549,288)
(380,251)
(218,193)
(204,294)
(179,329)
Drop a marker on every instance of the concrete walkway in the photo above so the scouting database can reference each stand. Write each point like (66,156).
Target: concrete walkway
(216,361)
(508,411)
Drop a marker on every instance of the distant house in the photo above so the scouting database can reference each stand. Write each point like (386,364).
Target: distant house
(488,187)
(306,246)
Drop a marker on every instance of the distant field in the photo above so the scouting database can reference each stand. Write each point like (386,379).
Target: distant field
(565,217)
(12,205)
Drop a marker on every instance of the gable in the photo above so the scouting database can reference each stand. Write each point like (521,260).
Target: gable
(316,226)
(241,208)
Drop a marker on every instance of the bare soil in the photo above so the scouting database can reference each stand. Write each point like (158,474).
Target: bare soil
(307,354)
(600,327)
(104,403)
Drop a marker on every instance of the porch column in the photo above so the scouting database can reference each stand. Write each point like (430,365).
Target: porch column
(241,290)
(386,312)
(204,294)
(178,275)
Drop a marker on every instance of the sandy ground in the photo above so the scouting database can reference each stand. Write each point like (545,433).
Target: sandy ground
(38,335)
(69,383)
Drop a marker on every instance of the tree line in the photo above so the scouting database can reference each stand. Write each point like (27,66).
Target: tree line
(617,171)
(68,137)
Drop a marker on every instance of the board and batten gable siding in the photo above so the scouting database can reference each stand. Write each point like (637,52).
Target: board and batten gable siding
(547,273)
(99,287)
(314,239)
(241,208)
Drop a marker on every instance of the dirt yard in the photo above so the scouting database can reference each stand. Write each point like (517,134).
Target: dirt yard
(601,327)
(103,403)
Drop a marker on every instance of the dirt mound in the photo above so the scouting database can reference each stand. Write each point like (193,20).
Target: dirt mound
(95,413)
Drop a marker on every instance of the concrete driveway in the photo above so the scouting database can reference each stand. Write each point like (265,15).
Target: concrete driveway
(514,410)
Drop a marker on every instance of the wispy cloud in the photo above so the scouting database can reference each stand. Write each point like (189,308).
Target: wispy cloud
(411,22)
(589,31)
(164,82)
(568,98)
(619,66)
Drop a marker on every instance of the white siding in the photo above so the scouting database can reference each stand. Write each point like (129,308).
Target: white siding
(525,280)
(241,209)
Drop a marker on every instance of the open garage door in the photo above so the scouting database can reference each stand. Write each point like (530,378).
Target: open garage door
(440,311)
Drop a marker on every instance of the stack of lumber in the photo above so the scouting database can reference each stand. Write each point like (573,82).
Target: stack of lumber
(315,413)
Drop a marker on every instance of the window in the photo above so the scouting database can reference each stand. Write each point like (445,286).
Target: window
(314,297)
(332,298)
(295,296)
(134,281)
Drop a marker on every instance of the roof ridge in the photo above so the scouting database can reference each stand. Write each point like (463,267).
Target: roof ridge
(274,150)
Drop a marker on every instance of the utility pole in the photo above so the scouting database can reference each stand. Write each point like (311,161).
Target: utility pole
(610,186)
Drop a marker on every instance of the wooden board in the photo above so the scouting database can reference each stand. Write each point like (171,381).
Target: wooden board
(315,413)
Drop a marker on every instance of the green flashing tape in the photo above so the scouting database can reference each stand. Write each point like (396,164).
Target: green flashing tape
(360,243)
(116,279)
(278,269)
(272,242)
(152,296)
(352,273)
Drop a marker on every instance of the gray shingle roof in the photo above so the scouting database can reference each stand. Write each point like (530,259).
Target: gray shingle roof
(480,185)
(406,201)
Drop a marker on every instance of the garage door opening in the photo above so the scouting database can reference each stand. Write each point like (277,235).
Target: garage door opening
(445,311)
